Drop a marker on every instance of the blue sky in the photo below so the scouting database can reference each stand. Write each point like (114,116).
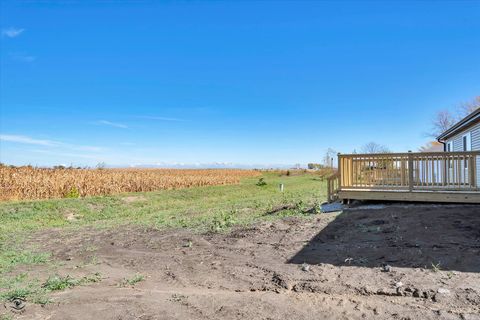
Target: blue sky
(247,82)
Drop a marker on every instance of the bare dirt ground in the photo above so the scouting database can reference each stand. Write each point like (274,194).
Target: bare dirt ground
(326,267)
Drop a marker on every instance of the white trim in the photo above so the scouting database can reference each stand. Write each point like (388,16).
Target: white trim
(449,146)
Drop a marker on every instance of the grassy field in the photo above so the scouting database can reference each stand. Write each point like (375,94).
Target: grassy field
(204,209)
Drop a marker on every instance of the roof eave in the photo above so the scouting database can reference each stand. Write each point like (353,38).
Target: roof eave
(460,125)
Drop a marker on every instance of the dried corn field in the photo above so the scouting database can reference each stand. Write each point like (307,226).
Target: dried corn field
(24,183)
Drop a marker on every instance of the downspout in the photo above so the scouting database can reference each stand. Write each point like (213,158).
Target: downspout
(444,145)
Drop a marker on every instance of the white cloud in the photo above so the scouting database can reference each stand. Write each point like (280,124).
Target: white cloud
(47,143)
(26,140)
(12,32)
(68,154)
(111,124)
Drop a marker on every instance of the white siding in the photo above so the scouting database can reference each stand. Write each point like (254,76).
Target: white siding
(458,144)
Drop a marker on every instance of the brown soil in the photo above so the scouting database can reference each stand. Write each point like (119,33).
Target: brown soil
(319,268)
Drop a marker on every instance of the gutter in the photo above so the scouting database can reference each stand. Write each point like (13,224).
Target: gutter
(459,125)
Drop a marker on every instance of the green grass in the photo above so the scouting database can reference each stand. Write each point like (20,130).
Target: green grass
(204,209)
(132,281)
(187,208)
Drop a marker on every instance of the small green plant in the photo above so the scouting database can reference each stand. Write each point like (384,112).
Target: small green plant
(57,283)
(73,193)
(223,221)
(132,281)
(16,293)
(261,182)
(96,277)
(436,267)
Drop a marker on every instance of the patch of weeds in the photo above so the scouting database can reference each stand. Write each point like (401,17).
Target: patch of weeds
(96,277)
(223,221)
(73,193)
(450,274)
(436,267)
(183,222)
(20,287)
(131,281)
(11,258)
(6,317)
(57,283)
(40,298)
(16,293)
(261,182)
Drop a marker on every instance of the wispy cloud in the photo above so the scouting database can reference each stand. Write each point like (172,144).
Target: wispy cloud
(12,32)
(47,143)
(68,154)
(111,124)
(26,140)
(22,57)
(160,118)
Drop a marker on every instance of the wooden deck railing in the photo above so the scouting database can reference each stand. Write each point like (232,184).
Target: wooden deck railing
(455,171)
(333,185)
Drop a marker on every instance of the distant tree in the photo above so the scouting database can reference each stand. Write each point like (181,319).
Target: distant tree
(444,119)
(314,166)
(328,158)
(373,147)
(101,165)
(466,108)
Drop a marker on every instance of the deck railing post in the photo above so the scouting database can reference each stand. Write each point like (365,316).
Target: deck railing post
(339,171)
(410,171)
(472,166)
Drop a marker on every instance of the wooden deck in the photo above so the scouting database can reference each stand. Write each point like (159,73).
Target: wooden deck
(429,177)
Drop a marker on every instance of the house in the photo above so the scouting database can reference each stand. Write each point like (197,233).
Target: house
(449,176)
(464,136)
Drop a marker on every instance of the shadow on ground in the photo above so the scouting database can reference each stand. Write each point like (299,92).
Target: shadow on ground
(441,236)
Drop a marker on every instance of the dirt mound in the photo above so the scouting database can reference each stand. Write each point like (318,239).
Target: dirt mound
(391,263)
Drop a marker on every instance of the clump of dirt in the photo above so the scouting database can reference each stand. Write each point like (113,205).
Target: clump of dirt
(332,266)
(71,215)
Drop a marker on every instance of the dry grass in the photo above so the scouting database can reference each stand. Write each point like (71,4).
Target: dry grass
(23,183)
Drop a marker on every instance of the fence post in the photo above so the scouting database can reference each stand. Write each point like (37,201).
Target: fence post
(410,171)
